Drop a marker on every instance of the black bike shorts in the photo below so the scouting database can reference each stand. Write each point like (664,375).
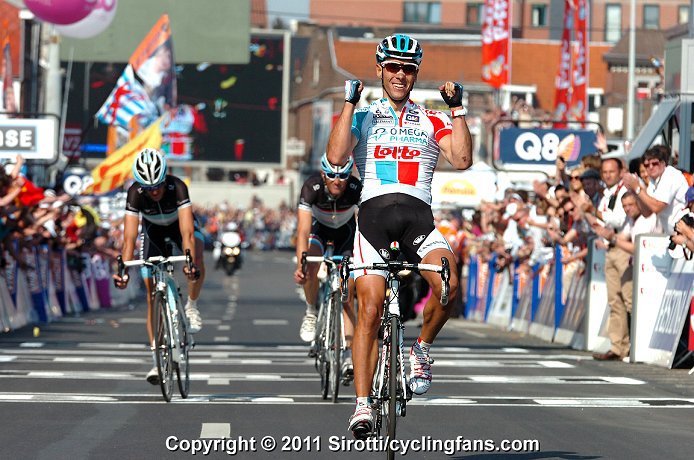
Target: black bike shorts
(395,217)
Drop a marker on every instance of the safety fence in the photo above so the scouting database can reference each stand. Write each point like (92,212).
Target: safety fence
(567,303)
(44,284)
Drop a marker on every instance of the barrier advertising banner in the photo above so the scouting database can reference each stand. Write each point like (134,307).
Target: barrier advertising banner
(652,268)
(597,309)
(532,147)
(671,316)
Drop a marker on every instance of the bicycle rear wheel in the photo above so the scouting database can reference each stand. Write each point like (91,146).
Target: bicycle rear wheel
(182,366)
(335,346)
(162,343)
(393,373)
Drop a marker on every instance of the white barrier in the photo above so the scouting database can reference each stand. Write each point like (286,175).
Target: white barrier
(597,308)
(652,268)
(500,308)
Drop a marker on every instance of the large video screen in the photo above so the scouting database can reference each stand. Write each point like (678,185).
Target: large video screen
(238,108)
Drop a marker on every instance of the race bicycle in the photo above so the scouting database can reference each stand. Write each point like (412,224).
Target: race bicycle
(389,389)
(330,339)
(172,338)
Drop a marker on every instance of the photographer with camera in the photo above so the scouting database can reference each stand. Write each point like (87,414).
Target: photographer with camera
(684,229)
(666,189)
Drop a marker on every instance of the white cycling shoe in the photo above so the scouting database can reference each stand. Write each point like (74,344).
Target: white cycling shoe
(361,423)
(194,319)
(420,370)
(307,332)
(153,376)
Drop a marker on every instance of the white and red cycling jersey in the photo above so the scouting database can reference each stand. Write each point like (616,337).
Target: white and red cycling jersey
(398,155)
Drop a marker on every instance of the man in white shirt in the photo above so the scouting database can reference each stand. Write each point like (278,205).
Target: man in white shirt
(609,218)
(666,191)
(623,241)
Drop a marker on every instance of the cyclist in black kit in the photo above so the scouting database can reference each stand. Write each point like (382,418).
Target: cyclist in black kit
(163,202)
(326,213)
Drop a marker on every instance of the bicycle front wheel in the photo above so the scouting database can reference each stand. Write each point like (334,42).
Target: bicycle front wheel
(335,345)
(393,373)
(162,342)
(182,366)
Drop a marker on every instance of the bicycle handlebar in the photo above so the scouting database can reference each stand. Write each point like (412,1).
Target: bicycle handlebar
(395,266)
(152,261)
(306,259)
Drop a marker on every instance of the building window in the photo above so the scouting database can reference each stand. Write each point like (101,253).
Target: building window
(613,22)
(474,14)
(683,14)
(422,12)
(651,17)
(538,15)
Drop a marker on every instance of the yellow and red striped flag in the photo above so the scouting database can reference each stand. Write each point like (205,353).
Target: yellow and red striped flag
(117,167)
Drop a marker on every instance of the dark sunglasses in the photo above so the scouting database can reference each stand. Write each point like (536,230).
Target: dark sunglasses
(152,188)
(395,67)
(649,164)
(575,177)
(341,176)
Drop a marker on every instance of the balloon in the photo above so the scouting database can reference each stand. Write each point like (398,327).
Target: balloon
(60,11)
(96,22)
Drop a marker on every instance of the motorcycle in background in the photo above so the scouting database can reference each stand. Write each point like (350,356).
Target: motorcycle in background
(228,252)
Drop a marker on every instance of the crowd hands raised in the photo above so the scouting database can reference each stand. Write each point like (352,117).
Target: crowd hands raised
(31,216)
(602,198)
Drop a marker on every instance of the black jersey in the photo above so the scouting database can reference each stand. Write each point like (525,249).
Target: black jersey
(163,212)
(333,213)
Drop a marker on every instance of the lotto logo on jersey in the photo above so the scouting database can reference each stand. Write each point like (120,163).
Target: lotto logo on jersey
(396,153)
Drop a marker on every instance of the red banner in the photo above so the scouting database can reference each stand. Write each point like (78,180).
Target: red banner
(563,80)
(579,76)
(496,42)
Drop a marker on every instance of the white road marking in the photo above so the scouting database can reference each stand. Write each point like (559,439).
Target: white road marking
(270,322)
(494,401)
(224,382)
(222,339)
(555,364)
(478,335)
(215,430)
(7,358)
(223,327)
(32,344)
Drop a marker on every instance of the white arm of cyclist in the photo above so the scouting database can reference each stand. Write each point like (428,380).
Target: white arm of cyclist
(130,226)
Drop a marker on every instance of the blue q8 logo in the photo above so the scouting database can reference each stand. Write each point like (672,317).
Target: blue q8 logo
(530,147)
(543,146)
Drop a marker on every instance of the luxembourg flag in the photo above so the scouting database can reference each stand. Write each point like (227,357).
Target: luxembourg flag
(127,100)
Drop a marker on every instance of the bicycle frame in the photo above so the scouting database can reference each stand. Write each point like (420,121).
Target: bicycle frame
(330,344)
(177,338)
(390,390)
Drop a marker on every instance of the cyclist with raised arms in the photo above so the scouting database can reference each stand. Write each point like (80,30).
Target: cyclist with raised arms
(396,145)
(164,204)
(326,212)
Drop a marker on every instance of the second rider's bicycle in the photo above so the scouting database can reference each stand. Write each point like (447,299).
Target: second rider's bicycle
(330,340)
(172,339)
(389,389)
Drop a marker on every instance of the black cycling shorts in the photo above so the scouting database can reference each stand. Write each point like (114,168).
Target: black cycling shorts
(342,237)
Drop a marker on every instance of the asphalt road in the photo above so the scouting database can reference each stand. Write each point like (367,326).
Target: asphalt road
(78,390)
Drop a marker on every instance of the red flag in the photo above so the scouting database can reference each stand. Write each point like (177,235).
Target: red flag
(579,76)
(9,101)
(563,80)
(496,42)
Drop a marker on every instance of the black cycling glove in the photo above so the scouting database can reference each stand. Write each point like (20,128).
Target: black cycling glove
(352,93)
(457,99)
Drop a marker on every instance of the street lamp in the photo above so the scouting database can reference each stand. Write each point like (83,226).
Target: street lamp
(631,70)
